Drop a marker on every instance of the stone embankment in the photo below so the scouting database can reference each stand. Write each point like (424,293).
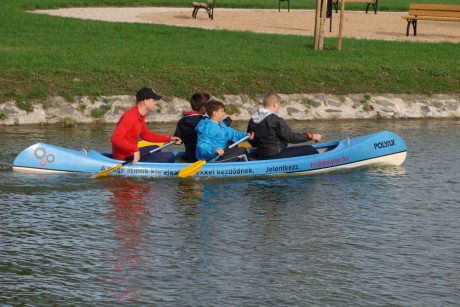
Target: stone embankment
(108,109)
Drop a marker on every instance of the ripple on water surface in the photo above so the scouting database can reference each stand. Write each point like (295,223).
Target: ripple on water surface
(372,236)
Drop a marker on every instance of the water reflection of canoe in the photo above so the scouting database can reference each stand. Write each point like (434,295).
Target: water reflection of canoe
(383,147)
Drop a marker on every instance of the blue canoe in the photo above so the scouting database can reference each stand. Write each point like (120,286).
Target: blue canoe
(383,147)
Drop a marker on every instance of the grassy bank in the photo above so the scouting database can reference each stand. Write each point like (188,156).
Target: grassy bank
(387,5)
(44,55)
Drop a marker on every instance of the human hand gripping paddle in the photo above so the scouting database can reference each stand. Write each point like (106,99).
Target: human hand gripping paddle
(194,168)
(109,170)
(315,137)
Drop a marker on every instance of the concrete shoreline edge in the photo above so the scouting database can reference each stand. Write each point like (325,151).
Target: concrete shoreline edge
(108,109)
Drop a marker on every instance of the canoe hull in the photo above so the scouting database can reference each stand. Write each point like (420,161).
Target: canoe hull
(383,147)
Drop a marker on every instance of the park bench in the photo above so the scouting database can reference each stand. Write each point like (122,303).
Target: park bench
(209,7)
(374,4)
(436,12)
(279,4)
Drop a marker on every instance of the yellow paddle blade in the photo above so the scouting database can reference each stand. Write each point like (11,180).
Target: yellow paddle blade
(144,143)
(245,145)
(107,171)
(192,169)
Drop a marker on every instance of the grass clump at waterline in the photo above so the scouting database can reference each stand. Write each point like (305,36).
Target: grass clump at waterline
(45,56)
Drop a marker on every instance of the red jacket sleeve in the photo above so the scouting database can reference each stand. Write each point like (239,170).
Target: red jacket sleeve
(150,136)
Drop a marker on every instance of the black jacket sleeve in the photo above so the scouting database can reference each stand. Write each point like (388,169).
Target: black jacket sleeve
(178,133)
(228,121)
(287,135)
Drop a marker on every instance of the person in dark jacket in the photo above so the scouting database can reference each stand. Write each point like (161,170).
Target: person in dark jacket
(185,128)
(272,134)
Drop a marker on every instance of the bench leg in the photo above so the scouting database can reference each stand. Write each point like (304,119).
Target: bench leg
(330,22)
(279,5)
(336,6)
(374,6)
(414,25)
(195,11)
(211,14)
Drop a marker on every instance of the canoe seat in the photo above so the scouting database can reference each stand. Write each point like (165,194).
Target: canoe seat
(328,148)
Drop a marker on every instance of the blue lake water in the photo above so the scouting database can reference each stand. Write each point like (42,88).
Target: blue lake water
(385,236)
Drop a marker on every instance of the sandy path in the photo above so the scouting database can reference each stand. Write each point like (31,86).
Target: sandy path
(382,26)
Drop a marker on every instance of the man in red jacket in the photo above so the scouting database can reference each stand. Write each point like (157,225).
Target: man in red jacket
(132,125)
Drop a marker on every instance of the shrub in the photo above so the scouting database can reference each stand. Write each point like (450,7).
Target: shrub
(367,106)
(99,112)
(68,122)
(81,107)
(367,99)
(25,105)
(3,116)
(47,104)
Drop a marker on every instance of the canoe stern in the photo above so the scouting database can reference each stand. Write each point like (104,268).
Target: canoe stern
(43,157)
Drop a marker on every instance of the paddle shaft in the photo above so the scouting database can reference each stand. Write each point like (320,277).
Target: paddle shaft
(213,158)
(239,141)
(150,152)
(194,168)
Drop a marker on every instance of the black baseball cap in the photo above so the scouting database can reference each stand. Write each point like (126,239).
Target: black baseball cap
(146,93)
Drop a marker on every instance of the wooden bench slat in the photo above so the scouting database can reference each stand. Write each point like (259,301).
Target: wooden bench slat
(437,7)
(434,12)
(432,18)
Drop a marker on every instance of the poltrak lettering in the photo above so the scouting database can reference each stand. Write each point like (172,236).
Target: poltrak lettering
(384,144)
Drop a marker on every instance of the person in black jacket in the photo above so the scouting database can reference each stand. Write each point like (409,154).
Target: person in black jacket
(272,134)
(185,128)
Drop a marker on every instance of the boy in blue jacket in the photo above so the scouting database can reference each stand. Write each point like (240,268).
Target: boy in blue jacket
(213,136)
(185,128)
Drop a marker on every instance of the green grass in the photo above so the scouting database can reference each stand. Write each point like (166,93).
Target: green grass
(42,55)
(384,5)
